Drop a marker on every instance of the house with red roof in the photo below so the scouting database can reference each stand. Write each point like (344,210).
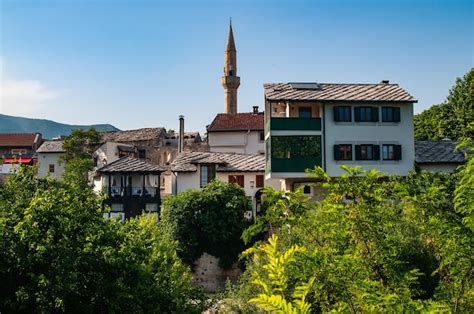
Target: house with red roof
(237,133)
(18,148)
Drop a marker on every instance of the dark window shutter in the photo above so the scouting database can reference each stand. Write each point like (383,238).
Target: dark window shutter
(357,114)
(336,152)
(232,179)
(357,152)
(375,114)
(398,152)
(376,152)
(396,114)
(336,114)
(240,181)
(259,181)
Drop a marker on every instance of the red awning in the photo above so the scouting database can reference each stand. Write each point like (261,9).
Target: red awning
(17,160)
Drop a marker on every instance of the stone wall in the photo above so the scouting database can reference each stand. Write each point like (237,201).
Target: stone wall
(210,277)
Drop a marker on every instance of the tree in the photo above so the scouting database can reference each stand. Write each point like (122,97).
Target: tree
(374,244)
(211,220)
(451,118)
(58,254)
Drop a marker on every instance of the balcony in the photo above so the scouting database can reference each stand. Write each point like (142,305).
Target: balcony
(133,191)
(295,124)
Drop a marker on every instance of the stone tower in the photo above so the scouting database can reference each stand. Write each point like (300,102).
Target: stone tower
(230,81)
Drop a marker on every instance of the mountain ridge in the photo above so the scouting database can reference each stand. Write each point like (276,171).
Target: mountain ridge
(48,128)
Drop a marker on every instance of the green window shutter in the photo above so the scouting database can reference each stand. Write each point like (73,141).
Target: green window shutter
(375,114)
(376,152)
(357,114)
(336,153)
(396,114)
(398,152)
(336,114)
(357,152)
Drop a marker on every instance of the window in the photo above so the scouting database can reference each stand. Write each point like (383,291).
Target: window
(366,114)
(208,173)
(288,147)
(343,152)
(51,168)
(259,180)
(367,152)
(342,114)
(391,152)
(141,153)
(237,179)
(304,112)
(261,136)
(390,114)
(307,189)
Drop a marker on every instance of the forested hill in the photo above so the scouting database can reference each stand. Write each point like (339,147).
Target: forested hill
(453,119)
(48,128)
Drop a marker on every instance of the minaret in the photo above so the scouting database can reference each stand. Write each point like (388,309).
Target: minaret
(230,81)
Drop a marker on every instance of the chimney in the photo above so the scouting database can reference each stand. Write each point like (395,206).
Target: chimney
(255,109)
(181,134)
(384,81)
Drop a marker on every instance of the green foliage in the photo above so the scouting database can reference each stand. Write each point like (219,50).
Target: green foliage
(273,280)
(452,118)
(80,144)
(58,254)
(376,244)
(211,220)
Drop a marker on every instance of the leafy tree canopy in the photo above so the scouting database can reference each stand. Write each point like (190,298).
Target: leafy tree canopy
(58,254)
(452,118)
(211,220)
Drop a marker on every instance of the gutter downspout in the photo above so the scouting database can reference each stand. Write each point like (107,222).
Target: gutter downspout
(246,141)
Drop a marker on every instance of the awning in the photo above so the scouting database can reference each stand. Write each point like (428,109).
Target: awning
(19,160)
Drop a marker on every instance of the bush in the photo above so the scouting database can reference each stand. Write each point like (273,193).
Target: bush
(211,220)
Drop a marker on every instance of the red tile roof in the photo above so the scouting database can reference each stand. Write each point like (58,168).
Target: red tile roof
(237,122)
(17,139)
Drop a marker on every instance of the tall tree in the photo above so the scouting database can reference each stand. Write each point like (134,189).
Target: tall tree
(451,118)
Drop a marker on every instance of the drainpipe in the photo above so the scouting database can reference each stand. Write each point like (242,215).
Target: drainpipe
(246,141)
(181,134)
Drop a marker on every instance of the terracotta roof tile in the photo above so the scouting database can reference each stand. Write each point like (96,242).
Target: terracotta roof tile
(338,92)
(237,122)
(17,139)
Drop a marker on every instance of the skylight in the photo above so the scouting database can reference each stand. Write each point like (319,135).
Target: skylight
(305,85)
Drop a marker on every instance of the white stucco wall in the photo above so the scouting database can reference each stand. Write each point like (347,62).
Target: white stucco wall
(107,153)
(46,159)
(242,142)
(401,133)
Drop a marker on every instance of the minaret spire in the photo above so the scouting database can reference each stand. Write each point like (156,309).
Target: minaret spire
(230,81)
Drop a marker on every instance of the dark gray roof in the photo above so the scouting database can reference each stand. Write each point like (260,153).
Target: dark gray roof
(144,134)
(226,162)
(51,147)
(338,92)
(438,152)
(130,165)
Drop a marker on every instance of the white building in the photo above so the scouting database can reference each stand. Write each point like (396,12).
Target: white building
(109,152)
(49,162)
(193,170)
(329,125)
(240,133)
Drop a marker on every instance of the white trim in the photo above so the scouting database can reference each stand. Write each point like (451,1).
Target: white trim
(295,133)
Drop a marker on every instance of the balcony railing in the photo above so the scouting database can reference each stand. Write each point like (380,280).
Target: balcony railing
(134,191)
(295,124)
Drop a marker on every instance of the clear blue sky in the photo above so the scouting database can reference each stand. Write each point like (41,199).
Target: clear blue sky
(142,63)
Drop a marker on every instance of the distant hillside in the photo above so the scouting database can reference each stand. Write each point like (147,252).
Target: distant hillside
(48,128)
